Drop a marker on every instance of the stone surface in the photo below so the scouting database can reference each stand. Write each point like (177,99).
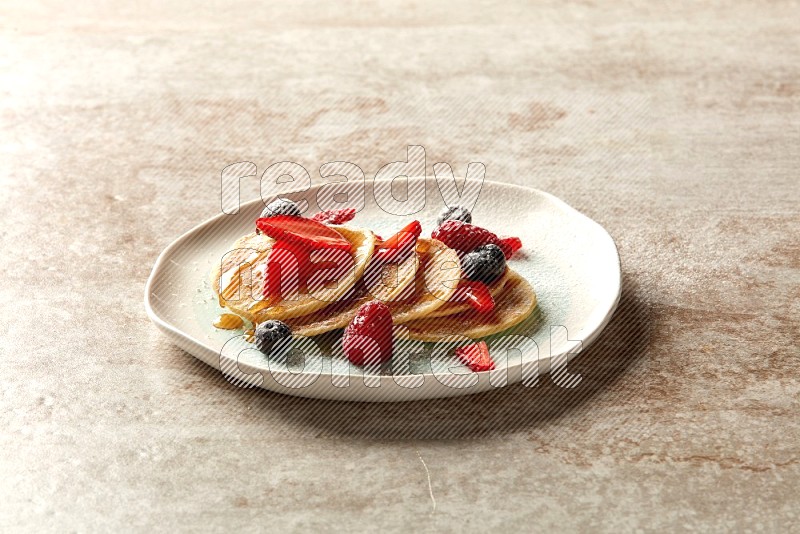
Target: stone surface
(676,126)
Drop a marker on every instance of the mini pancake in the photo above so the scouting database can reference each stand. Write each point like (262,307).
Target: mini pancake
(452,308)
(241,275)
(435,283)
(513,305)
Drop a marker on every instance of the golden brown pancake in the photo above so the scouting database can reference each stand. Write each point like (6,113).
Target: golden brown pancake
(417,290)
(512,306)
(241,275)
(435,283)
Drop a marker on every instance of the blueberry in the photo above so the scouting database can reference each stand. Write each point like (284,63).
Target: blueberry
(484,264)
(270,333)
(456,213)
(281,206)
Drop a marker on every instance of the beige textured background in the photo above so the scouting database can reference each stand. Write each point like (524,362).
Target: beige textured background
(675,125)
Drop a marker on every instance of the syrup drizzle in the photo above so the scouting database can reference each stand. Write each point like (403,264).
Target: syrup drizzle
(228,321)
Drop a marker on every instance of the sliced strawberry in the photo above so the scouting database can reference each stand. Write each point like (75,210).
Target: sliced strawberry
(335,216)
(476,357)
(305,232)
(476,294)
(510,245)
(401,242)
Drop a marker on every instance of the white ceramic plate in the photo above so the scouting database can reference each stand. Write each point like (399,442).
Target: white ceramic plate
(571,261)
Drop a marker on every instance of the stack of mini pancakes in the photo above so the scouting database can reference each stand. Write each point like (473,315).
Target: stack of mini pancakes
(419,291)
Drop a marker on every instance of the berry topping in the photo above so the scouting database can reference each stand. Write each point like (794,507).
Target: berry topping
(510,245)
(464,237)
(400,243)
(368,338)
(272,334)
(335,216)
(476,294)
(281,206)
(484,264)
(454,213)
(305,232)
(476,357)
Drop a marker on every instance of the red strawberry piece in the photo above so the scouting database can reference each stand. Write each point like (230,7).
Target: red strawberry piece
(510,245)
(476,357)
(464,237)
(335,216)
(402,240)
(476,294)
(368,338)
(305,232)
